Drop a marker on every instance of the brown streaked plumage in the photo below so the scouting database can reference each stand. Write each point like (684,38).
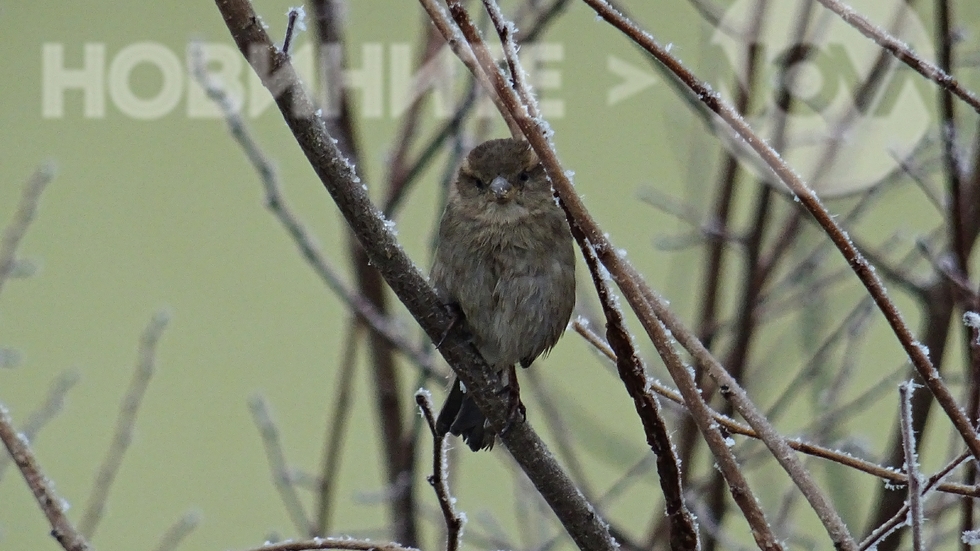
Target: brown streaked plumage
(505,258)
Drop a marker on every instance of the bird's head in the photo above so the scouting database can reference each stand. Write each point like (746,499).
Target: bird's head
(503,178)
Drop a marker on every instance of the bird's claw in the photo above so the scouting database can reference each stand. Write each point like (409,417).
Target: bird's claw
(515,406)
(455,316)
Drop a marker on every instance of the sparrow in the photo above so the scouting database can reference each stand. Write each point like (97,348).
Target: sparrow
(505,263)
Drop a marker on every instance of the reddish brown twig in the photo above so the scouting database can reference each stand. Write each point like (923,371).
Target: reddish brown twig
(333,543)
(51,504)
(40,417)
(902,52)
(683,531)
(911,464)
(891,475)
(438,478)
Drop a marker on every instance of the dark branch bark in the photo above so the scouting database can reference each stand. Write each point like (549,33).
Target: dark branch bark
(683,531)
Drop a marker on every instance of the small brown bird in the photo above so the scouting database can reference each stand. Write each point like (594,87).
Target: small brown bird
(505,260)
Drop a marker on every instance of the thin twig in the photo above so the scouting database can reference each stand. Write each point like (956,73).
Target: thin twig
(51,504)
(50,409)
(719,221)
(756,275)
(179,530)
(17,227)
(438,479)
(683,531)
(399,174)
(559,430)
(938,307)
(948,134)
(734,427)
(125,422)
(900,518)
(855,320)
(277,464)
(905,391)
(333,543)
(715,16)
(331,61)
(902,52)
(582,326)
(972,334)
(836,417)
(957,281)
(292,15)
(337,430)
(921,174)
(865,94)
(401,182)
(506,31)
(309,248)
(461,48)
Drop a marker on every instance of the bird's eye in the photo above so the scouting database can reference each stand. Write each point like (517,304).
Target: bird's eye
(479,183)
(524,176)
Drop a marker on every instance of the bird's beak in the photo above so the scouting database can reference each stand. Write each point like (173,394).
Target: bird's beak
(501,188)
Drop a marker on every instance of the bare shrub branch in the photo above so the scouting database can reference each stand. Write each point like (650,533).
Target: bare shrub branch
(125,423)
(454,520)
(50,503)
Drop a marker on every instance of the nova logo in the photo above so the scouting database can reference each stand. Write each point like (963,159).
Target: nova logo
(841,135)
(147,80)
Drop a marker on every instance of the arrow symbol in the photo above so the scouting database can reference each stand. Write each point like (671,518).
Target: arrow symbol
(635,80)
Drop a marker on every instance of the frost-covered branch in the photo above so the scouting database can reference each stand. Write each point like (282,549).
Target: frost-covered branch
(905,391)
(51,504)
(439,479)
(333,543)
(902,52)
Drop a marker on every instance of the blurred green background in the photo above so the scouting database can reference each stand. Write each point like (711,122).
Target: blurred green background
(166,212)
